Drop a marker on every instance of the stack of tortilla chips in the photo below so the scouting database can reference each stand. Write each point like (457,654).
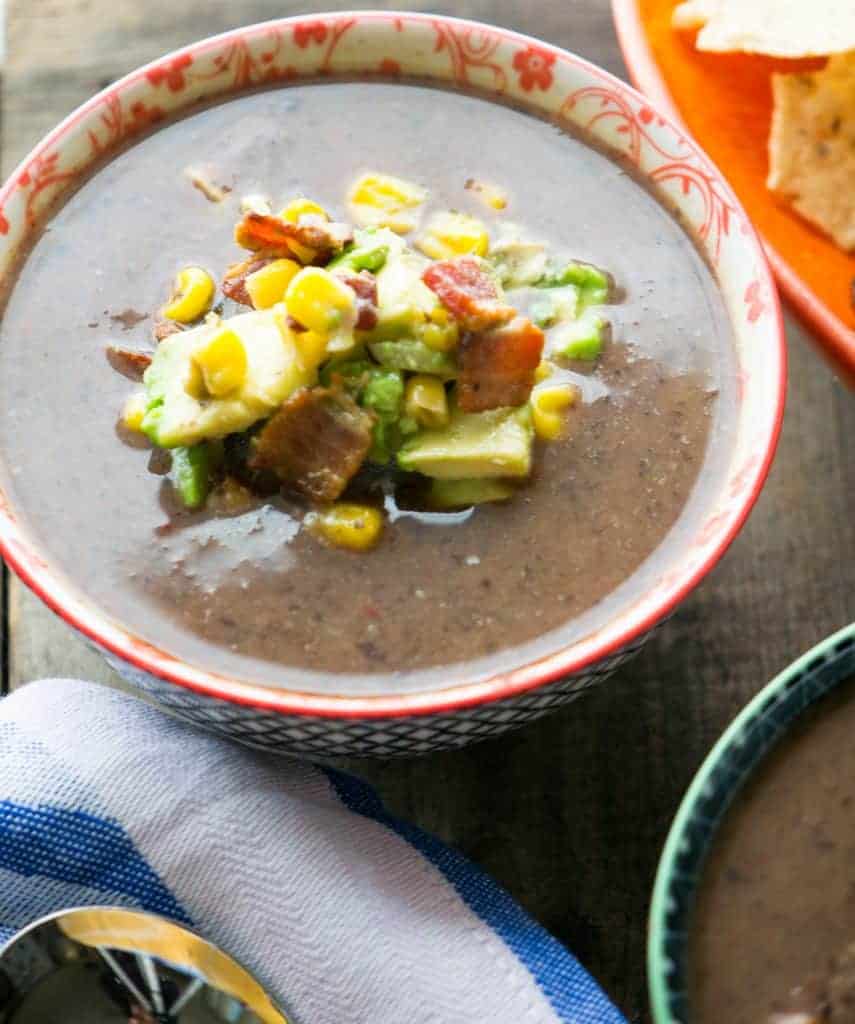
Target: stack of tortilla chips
(812,137)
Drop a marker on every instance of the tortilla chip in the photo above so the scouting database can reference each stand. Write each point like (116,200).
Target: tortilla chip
(812,146)
(779,28)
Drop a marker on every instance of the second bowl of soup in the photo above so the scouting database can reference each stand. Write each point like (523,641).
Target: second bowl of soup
(753,916)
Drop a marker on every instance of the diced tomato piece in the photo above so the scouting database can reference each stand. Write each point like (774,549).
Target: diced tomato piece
(468,292)
(497,367)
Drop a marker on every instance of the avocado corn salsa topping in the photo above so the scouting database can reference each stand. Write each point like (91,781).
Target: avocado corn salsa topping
(390,355)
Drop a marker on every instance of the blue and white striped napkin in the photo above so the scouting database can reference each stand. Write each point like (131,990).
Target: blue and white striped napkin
(347,915)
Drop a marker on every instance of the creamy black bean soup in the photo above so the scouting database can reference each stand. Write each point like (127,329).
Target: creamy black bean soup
(773,936)
(240,584)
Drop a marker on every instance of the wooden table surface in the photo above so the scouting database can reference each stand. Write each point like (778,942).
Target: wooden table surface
(570,813)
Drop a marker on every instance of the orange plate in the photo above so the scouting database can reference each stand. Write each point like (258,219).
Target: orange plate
(725,100)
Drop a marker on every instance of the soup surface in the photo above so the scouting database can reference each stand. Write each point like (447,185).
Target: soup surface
(773,933)
(251,594)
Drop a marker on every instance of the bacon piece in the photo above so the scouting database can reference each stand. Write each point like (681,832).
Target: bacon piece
(497,367)
(468,293)
(364,284)
(164,329)
(234,279)
(130,362)
(312,240)
(316,442)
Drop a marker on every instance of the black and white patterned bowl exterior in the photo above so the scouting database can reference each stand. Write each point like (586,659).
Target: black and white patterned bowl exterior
(317,738)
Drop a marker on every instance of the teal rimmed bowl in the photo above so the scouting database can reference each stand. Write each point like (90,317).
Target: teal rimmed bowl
(749,738)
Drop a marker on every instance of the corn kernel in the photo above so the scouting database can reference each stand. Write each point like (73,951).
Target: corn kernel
(194,383)
(319,300)
(492,195)
(192,296)
(547,405)
(555,399)
(267,286)
(292,213)
(381,200)
(298,208)
(134,410)
(544,370)
(440,338)
(312,348)
(454,234)
(354,527)
(222,362)
(425,401)
(495,197)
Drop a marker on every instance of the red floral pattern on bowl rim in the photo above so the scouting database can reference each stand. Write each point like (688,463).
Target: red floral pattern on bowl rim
(549,80)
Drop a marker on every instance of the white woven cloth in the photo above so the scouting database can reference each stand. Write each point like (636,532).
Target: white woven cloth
(345,914)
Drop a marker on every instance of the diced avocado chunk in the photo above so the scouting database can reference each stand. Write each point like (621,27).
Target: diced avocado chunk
(386,439)
(593,283)
(176,417)
(554,305)
(580,339)
(351,372)
(404,301)
(384,392)
(369,251)
(191,474)
(374,387)
(415,357)
(463,493)
(378,389)
(518,264)
(489,444)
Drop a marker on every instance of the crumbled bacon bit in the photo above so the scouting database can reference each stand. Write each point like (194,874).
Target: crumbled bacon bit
(468,293)
(210,190)
(130,362)
(497,367)
(316,442)
(164,329)
(273,236)
(364,284)
(128,318)
(234,279)
(295,325)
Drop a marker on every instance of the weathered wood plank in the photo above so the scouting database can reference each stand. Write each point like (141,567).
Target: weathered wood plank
(42,645)
(569,814)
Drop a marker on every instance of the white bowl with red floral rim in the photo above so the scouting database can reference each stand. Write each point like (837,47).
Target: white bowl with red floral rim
(549,81)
